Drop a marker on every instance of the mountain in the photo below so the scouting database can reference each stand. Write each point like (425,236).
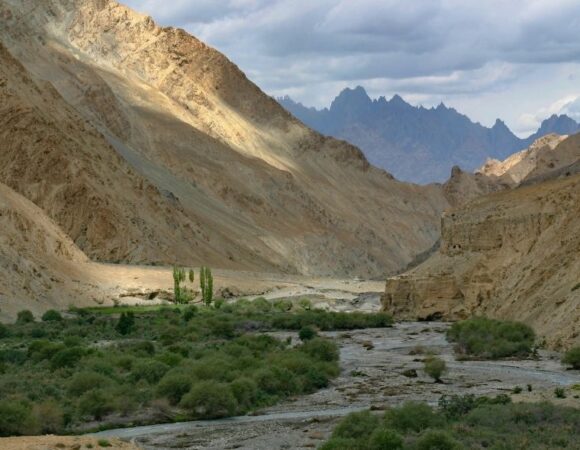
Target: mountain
(511,254)
(145,145)
(414,143)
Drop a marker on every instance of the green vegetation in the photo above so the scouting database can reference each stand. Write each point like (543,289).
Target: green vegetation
(140,365)
(182,294)
(51,316)
(571,357)
(460,422)
(482,338)
(560,392)
(24,316)
(206,285)
(435,368)
(306,333)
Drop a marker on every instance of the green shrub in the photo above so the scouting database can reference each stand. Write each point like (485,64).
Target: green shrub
(24,316)
(283,305)
(104,443)
(67,357)
(15,419)
(437,440)
(149,370)
(305,304)
(82,382)
(560,392)
(48,417)
(321,349)
(337,443)
(96,403)
(51,316)
(435,367)
(412,416)
(245,391)
(126,323)
(572,358)
(307,333)
(174,386)
(276,381)
(4,331)
(210,400)
(385,439)
(190,312)
(491,339)
(356,425)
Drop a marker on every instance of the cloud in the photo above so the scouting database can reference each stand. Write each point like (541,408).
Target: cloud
(427,49)
(569,105)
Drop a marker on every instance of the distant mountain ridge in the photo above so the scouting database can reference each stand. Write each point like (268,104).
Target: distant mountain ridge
(414,143)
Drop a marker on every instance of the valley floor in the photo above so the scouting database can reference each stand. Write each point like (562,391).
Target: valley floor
(372,363)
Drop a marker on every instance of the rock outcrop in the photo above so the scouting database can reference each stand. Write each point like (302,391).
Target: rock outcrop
(512,254)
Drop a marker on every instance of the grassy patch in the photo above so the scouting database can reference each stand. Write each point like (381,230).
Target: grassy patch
(461,423)
(112,366)
(482,338)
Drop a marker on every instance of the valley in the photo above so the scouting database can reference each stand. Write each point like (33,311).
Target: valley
(190,261)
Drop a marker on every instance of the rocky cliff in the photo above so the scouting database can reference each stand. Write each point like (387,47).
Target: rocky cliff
(511,254)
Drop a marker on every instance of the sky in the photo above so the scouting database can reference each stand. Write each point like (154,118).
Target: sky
(518,60)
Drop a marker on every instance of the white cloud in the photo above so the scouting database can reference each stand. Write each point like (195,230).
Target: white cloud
(425,49)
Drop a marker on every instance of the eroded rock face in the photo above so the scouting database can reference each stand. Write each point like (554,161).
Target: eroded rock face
(512,255)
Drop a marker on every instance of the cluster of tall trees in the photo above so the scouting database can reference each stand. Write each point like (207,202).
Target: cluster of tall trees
(185,294)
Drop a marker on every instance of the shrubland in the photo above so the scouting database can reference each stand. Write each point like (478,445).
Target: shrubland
(96,368)
(483,338)
(460,422)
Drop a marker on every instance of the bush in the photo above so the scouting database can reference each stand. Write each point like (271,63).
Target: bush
(67,357)
(412,416)
(174,386)
(15,419)
(356,425)
(189,313)
(126,323)
(560,392)
(49,417)
(210,400)
(276,381)
(337,443)
(385,439)
(437,440)
(245,391)
(149,370)
(572,358)
(307,333)
(4,331)
(321,349)
(51,316)
(96,403)
(82,382)
(435,367)
(24,316)
(491,339)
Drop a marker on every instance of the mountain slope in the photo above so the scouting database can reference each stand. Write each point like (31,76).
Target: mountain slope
(232,179)
(414,143)
(513,254)
(40,267)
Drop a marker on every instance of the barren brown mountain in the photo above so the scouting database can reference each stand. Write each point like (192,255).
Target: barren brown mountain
(145,145)
(512,254)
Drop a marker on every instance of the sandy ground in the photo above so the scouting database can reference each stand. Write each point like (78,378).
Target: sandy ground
(369,379)
(136,284)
